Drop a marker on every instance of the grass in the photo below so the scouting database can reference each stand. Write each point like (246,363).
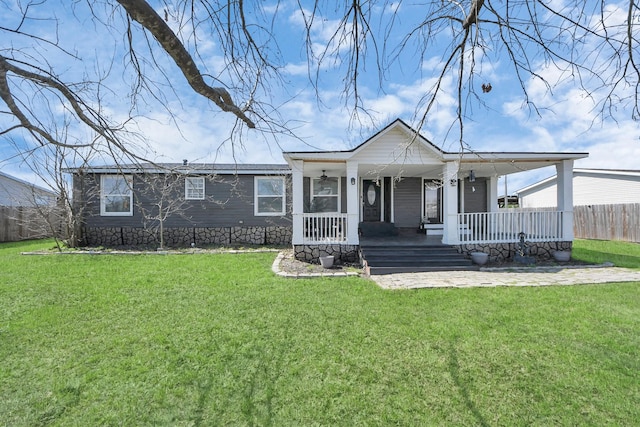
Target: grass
(220,340)
(622,254)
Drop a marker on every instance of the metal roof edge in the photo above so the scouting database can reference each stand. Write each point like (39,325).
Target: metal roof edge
(190,169)
(27,183)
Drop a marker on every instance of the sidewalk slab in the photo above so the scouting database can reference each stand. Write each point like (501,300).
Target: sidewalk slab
(507,277)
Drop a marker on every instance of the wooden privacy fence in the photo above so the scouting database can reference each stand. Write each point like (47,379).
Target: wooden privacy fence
(607,222)
(23,223)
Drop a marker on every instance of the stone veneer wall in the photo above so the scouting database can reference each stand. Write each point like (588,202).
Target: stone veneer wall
(506,251)
(341,253)
(184,237)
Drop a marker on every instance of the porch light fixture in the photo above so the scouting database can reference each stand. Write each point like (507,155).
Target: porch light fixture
(324,176)
(472,176)
(353,181)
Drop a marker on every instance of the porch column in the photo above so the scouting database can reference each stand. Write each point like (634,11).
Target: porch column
(297,202)
(450,203)
(564,194)
(492,194)
(353,204)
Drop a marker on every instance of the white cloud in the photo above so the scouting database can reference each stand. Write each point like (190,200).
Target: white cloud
(301,69)
(393,7)
(387,105)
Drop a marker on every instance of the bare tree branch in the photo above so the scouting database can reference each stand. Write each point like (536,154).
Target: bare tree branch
(472,17)
(141,12)
(37,132)
(228,52)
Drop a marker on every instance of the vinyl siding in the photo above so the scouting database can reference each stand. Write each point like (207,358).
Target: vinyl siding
(306,194)
(591,189)
(406,200)
(343,194)
(229,201)
(394,147)
(588,189)
(475,201)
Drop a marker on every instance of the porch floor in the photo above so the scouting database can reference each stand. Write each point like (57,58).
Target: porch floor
(414,240)
(403,238)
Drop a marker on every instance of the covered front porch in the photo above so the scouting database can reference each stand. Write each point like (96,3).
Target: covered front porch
(504,226)
(399,178)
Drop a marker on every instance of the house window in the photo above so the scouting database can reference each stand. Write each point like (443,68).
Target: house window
(194,188)
(325,194)
(116,195)
(269,196)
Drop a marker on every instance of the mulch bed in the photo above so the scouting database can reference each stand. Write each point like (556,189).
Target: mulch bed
(290,265)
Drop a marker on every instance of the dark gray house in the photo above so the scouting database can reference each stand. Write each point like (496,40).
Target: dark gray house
(198,204)
(321,201)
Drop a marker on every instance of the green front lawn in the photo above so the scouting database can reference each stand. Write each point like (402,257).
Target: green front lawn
(220,340)
(622,254)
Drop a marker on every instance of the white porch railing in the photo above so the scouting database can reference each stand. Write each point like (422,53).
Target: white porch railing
(505,226)
(324,228)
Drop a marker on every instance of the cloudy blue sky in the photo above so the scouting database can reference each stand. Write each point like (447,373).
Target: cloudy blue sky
(567,119)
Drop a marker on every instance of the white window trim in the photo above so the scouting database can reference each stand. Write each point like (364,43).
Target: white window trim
(338,195)
(103,212)
(186,188)
(256,196)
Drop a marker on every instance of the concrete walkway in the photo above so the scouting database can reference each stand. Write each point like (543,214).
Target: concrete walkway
(491,277)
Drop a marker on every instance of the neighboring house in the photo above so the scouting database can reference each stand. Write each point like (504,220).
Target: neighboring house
(322,201)
(16,192)
(590,187)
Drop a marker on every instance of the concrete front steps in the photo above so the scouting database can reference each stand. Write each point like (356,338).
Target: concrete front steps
(413,258)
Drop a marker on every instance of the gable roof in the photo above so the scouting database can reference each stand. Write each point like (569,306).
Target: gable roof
(346,154)
(484,163)
(17,192)
(25,184)
(394,145)
(404,127)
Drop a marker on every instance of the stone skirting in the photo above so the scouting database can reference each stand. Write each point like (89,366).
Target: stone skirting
(185,237)
(341,253)
(499,252)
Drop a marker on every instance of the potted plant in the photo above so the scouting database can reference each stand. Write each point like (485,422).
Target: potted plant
(562,256)
(479,258)
(326,261)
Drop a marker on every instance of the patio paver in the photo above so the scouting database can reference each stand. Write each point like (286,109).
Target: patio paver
(535,276)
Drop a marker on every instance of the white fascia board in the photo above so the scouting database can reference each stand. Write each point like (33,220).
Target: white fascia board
(489,157)
(536,185)
(318,156)
(606,172)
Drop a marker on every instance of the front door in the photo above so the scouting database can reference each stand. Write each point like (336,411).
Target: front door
(371,199)
(432,202)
